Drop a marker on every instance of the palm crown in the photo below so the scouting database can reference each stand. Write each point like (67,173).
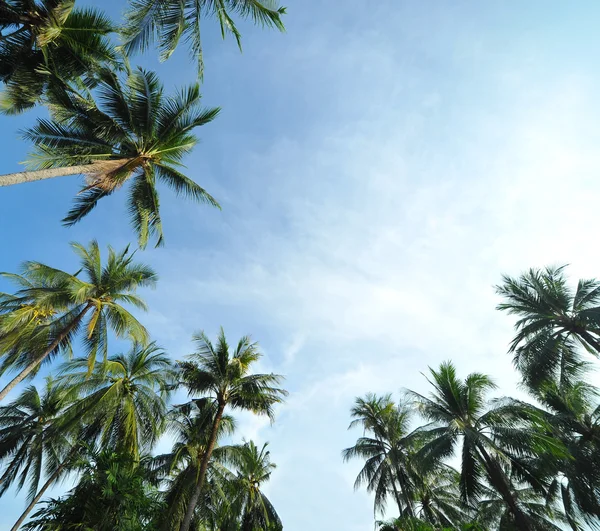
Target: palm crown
(130,132)
(127,397)
(497,441)
(91,300)
(386,447)
(30,438)
(48,40)
(170,20)
(552,321)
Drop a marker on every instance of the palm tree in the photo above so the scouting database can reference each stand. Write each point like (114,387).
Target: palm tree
(35,436)
(93,303)
(171,20)
(224,377)
(437,498)
(48,40)
(552,321)
(131,132)
(387,447)
(573,417)
(492,439)
(29,440)
(115,492)
(127,396)
(254,469)
(191,425)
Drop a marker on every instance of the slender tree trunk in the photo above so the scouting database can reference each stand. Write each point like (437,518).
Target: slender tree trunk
(27,370)
(187,520)
(39,495)
(499,481)
(9,179)
(398,497)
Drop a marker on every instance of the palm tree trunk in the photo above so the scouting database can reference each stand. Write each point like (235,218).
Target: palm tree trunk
(9,179)
(500,482)
(27,370)
(402,479)
(187,520)
(39,495)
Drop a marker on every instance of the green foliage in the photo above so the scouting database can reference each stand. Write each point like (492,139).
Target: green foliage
(114,494)
(46,42)
(172,20)
(128,132)
(52,307)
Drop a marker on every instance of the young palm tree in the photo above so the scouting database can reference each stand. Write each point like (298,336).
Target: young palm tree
(170,20)
(224,377)
(48,40)
(492,439)
(552,321)
(127,396)
(92,303)
(254,469)
(387,447)
(131,133)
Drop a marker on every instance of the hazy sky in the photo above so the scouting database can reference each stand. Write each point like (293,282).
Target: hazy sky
(380,166)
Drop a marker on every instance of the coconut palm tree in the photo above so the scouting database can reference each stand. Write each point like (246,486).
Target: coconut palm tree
(114,492)
(493,439)
(573,417)
(253,469)
(171,20)
(37,436)
(437,498)
(387,447)
(131,133)
(191,425)
(90,301)
(29,439)
(553,320)
(127,396)
(48,40)
(224,377)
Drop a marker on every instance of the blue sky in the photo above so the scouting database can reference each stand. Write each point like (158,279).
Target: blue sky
(380,166)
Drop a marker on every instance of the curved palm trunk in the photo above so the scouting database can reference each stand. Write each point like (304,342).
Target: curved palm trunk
(499,481)
(9,179)
(187,520)
(27,370)
(39,495)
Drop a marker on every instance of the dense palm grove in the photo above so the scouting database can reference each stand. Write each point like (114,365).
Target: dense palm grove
(454,458)
(457,458)
(113,393)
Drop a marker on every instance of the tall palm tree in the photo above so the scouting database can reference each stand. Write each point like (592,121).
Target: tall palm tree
(224,377)
(191,424)
(130,132)
(493,439)
(93,303)
(253,470)
(553,320)
(171,20)
(387,447)
(48,40)
(127,396)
